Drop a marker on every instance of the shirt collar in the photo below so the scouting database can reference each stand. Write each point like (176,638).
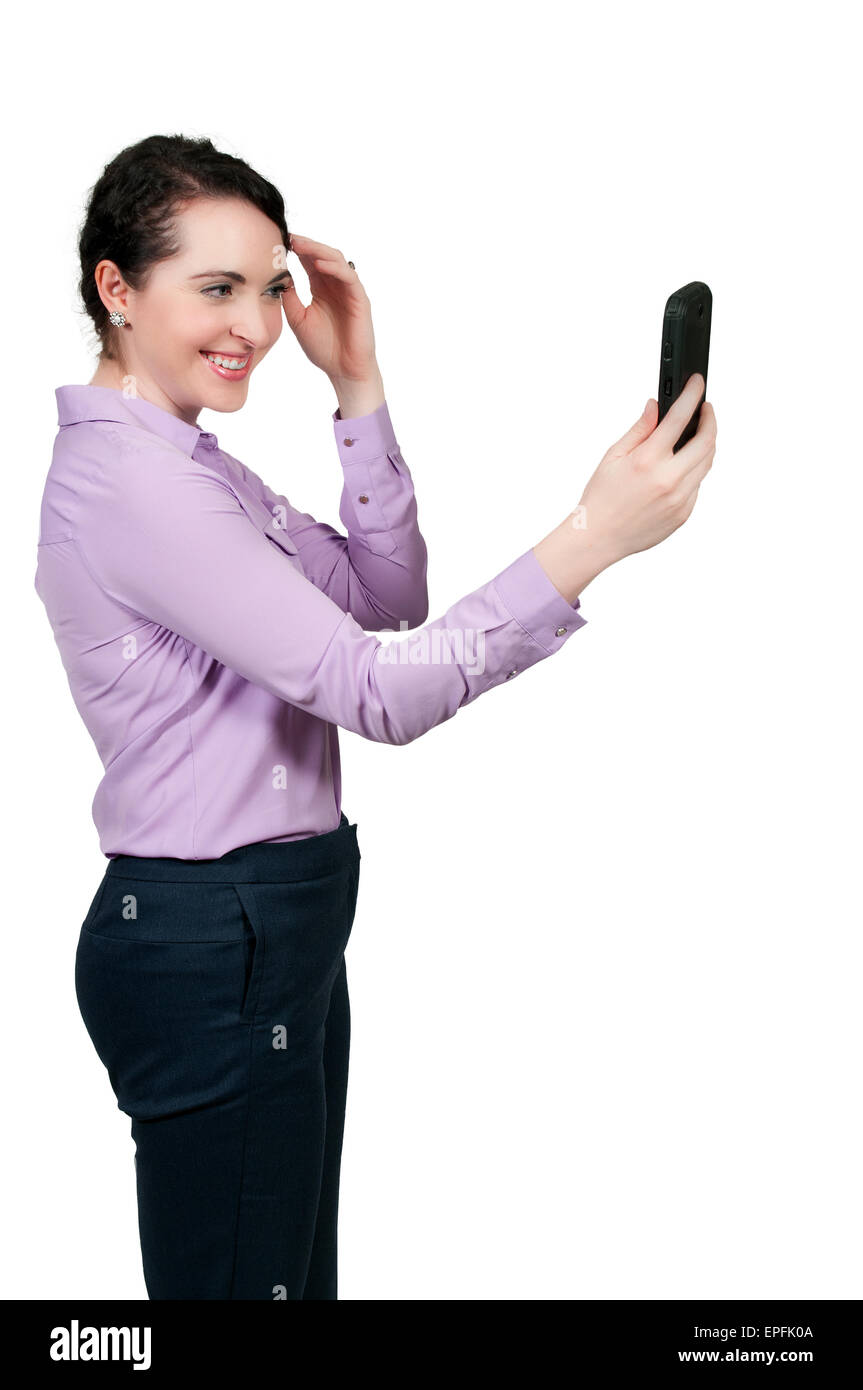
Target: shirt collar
(78,403)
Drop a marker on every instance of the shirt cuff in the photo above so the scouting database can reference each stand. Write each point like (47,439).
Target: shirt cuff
(363,437)
(533,601)
(378,490)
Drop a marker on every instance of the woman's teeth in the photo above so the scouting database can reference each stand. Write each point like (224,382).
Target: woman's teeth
(233,363)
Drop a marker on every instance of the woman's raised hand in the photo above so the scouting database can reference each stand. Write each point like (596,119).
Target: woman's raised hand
(334,331)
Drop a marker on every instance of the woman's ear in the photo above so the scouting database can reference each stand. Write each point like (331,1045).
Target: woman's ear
(113,290)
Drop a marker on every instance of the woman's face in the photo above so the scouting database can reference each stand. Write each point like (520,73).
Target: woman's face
(220,296)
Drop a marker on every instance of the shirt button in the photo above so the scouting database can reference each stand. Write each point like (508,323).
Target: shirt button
(349,442)
(559,631)
(513,672)
(363,498)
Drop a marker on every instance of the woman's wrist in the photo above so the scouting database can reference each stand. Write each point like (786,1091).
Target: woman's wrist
(572,556)
(358,397)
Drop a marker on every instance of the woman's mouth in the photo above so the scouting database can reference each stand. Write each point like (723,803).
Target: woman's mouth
(228,368)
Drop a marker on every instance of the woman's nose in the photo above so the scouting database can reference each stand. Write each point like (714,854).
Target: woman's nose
(250,327)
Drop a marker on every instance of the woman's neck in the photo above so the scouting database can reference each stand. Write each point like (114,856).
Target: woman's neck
(116,376)
(108,374)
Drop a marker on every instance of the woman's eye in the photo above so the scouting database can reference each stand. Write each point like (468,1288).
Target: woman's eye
(212,291)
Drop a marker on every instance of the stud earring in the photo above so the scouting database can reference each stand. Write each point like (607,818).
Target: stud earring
(118,320)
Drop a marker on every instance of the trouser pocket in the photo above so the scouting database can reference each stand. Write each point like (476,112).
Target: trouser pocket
(296,933)
(162,974)
(254,948)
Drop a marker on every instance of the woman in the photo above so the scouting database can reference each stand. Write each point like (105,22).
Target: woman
(215,638)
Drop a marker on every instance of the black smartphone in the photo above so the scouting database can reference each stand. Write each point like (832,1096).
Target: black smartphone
(685,349)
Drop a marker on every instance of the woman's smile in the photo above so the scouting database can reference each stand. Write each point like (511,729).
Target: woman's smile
(228,367)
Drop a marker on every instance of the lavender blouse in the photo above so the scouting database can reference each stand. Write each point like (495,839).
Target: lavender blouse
(215,638)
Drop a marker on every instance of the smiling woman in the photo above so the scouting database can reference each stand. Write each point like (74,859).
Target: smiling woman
(185,341)
(216,639)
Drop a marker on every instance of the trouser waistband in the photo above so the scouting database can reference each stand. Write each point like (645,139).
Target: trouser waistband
(262,862)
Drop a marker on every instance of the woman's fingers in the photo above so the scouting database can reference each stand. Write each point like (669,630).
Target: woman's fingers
(695,459)
(306,248)
(338,269)
(669,430)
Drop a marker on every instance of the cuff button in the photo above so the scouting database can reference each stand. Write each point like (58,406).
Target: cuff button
(558,632)
(513,672)
(349,442)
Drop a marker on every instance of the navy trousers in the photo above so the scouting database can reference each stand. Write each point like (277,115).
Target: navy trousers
(214,992)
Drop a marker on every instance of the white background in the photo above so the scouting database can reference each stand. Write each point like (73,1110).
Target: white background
(605,969)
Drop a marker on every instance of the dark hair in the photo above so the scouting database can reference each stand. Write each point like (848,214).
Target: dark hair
(131,210)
